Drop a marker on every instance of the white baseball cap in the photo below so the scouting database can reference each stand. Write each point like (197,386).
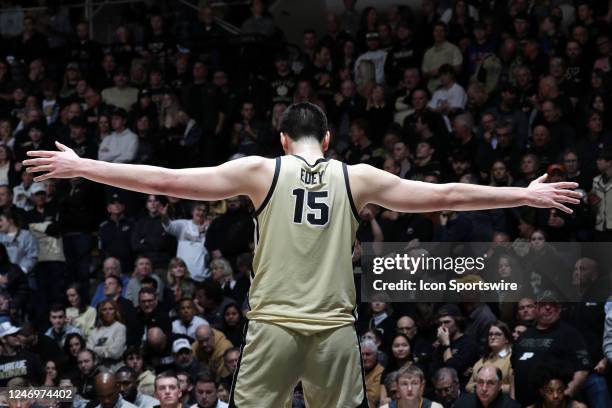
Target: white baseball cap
(180,344)
(6,329)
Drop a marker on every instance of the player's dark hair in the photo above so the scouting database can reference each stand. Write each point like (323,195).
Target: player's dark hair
(303,120)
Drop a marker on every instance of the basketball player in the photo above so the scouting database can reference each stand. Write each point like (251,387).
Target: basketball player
(301,323)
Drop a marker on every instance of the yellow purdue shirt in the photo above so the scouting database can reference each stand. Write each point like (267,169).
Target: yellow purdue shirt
(304,231)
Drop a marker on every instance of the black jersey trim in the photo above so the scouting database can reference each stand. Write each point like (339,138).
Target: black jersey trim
(348,191)
(272,187)
(320,160)
(232,403)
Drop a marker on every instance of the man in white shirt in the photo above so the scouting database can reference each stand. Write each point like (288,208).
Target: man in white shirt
(188,322)
(191,237)
(450,96)
(125,378)
(121,145)
(374,54)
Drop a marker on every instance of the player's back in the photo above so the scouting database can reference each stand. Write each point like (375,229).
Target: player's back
(304,232)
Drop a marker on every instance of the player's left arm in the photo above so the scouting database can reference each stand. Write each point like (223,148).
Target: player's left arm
(372,185)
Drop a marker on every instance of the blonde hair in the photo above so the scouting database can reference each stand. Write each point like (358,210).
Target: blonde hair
(410,371)
(223,263)
(174,262)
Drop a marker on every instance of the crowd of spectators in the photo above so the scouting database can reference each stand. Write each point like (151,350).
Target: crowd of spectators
(103,289)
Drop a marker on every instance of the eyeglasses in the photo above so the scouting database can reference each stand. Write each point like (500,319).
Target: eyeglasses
(496,334)
(407,328)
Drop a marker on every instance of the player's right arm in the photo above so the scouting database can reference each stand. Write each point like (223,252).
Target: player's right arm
(372,185)
(250,176)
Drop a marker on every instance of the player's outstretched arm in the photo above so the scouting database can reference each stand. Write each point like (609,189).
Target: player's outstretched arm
(249,176)
(371,185)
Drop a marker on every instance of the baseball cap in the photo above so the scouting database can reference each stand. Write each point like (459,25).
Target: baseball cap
(36,188)
(144,93)
(450,309)
(115,198)
(548,296)
(6,329)
(180,344)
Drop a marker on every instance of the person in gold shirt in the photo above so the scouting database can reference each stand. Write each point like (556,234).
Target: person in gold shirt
(499,348)
(209,347)
(373,371)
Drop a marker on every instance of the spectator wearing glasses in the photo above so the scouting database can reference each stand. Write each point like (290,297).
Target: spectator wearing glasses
(411,385)
(488,391)
(499,351)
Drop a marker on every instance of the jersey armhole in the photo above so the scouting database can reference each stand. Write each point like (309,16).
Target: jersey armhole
(271,191)
(347,184)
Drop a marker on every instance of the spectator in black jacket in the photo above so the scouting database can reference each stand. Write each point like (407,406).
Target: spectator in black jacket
(231,234)
(77,203)
(453,348)
(150,314)
(115,234)
(149,237)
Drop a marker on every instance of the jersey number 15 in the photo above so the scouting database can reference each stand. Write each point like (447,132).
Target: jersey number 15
(317,212)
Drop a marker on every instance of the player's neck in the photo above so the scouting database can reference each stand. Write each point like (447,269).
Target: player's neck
(307,149)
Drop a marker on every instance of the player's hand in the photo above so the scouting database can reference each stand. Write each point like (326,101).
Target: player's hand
(54,164)
(552,195)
